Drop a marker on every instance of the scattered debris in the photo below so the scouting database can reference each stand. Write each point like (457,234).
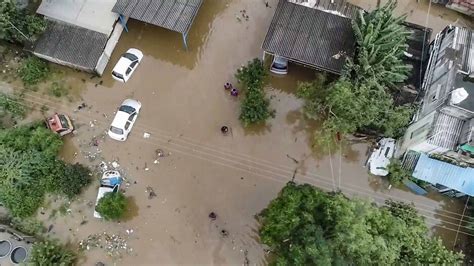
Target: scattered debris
(224,233)
(151,192)
(129,231)
(115,164)
(146,167)
(103,166)
(50,227)
(146,135)
(293,159)
(212,216)
(246,258)
(82,105)
(114,244)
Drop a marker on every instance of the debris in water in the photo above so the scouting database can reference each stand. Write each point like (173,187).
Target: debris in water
(114,244)
(146,135)
(224,233)
(151,192)
(103,166)
(212,216)
(115,164)
(50,227)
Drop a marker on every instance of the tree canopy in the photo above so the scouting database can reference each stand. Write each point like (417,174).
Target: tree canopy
(17,25)
(360,99)
(51,253)
(306,226)
(29,168)
(112,206)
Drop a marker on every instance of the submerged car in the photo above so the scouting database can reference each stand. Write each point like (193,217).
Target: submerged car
(279,65)
(60,124)
(109,183)
(124,119)
(127,64)
(380,157)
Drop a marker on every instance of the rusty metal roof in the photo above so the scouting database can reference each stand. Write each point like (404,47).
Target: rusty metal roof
(310,36)
(175,15)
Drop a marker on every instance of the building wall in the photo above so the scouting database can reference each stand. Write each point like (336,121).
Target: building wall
(417,133)
(109,48)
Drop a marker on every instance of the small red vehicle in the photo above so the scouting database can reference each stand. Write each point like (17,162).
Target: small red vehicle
(60,124)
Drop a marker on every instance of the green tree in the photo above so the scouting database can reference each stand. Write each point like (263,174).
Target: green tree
(381,43)
(51,253)
(305,226)
(112,206)
(255,107)
(314,94)
(75,177)
(396,172)
(17,25)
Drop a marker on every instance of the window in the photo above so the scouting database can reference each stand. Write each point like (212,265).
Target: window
(127,125)
(128,71)
(116,130)
(117,75)
(435,95)
(132,116)
(133,64)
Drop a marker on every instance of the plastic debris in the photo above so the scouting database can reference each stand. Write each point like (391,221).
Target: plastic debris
(115,164)
(146,135)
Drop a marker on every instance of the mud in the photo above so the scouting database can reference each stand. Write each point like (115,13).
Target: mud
(235,176)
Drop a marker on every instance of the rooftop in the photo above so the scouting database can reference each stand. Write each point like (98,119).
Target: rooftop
(448,175)
(95,15)
(175,15)
(310,36)
(71,45)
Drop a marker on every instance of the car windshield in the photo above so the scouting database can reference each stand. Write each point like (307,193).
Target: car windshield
(127,109)
(64,122)
(118,75)
(130,56)
(116,130)
(279,65)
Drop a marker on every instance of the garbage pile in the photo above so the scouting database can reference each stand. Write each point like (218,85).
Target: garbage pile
(114,245)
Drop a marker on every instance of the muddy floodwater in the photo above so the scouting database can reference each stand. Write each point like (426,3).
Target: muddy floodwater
(203,171)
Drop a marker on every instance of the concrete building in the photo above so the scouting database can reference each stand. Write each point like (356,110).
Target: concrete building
(444,122)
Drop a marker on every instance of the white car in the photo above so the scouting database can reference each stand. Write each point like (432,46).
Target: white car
(279,65)
(127,64)
(109,183)
(380,157)
(124,119)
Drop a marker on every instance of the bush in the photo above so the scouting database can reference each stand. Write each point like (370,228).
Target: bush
(255,107)
(58,89)
(112,206)
(30,25)
(51,253)
(396,173)
(76,177)
(33,70)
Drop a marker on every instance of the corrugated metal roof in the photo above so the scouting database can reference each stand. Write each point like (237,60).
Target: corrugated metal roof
(341,7)
(310,36)
(175,15)
(449,175)
(446,131)
(72,45)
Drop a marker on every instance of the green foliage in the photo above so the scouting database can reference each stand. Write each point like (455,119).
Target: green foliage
(33,70)
(112,206)
(305,226)
(381,43)
(313,93)
(51,253)
(29,169)
(14,23)
(11,106)
(76,176)
(58,89)
(255,107)
(30,226)
(396,173)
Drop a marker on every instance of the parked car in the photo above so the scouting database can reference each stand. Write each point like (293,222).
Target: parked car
(60,124)
(124,119)
(109,183)
(380,157)
(127,64)
(279,65)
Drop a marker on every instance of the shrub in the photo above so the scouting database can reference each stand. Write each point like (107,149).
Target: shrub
(76,176)
(112,206)
(255,107)
(11,106)
(30,25)
(396,173)
(51,253)
(33,70)
(58,89)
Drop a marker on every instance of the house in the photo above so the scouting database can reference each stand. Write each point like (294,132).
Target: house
(82,34)
(318,35)
(444,122)
(462,6)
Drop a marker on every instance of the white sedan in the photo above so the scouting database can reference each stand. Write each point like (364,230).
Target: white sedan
(124,119)
(380,157)
(109,183)
(127,64)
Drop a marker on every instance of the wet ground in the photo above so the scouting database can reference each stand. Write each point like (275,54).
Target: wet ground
(235,176)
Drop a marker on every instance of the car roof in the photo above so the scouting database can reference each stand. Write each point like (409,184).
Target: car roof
(102,191)
(131,102)
(120,119)
(122,65)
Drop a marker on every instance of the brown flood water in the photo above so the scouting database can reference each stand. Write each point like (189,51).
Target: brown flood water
(184,106)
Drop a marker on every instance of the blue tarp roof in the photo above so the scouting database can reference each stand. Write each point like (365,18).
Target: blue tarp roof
(448,175)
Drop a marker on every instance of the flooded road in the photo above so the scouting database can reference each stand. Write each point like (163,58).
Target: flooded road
(235,176)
